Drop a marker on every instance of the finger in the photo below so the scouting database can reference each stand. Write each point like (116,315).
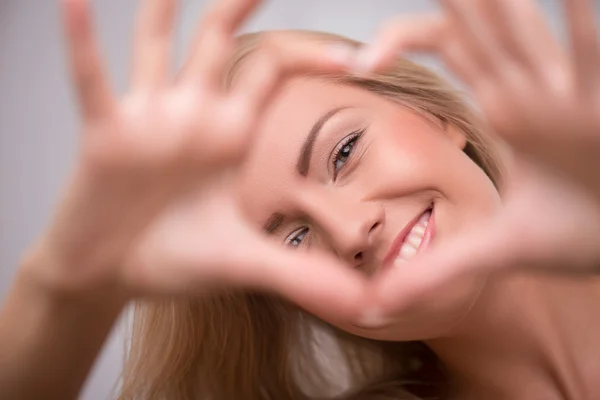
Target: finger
(258,80)
(525,36)
(429,33)
(456,57)
(320,284)
(214,40)
(277,58)
(402,35)
(584,42)
(152,43)
(474,27)
(201,262)
(91,83)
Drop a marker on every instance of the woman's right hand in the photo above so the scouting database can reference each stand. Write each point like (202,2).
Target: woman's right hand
(149,208)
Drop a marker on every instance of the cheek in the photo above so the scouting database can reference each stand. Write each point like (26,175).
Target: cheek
(411,162)
(428,161)
(469,196)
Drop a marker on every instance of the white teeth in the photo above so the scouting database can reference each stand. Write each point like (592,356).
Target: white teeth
(414,240)
(424,220)
(418,230)
(407,251)
(400,261)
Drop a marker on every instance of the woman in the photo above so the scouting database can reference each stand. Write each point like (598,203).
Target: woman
(393,162)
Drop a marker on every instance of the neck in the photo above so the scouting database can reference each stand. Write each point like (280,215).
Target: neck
(528,337)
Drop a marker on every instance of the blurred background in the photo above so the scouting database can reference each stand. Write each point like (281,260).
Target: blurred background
(38,120)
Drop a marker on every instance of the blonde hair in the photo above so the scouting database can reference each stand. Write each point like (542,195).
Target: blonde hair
(252,346)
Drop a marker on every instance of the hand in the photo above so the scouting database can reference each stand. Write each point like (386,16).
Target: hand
(546,105)
(541,99)
(149,208)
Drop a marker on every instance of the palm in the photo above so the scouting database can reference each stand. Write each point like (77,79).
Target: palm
(204,228)
(149,132)
(202,243)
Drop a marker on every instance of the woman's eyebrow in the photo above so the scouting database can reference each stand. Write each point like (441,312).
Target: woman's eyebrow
(274,221)
(303,163)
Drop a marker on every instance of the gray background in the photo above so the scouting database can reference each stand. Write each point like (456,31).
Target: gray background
(38,123)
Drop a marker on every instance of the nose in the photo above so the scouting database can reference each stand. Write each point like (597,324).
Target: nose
(352,226)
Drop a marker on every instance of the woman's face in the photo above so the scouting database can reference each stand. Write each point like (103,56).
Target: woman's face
(342,169)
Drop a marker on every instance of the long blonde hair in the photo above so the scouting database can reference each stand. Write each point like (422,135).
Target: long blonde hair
(251,346)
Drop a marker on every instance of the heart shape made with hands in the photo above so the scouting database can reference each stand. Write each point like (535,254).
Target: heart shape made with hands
(128,218)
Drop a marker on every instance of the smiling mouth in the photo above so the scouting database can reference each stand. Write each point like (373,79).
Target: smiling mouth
(414,238)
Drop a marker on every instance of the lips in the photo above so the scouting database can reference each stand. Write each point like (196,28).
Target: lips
(412,239)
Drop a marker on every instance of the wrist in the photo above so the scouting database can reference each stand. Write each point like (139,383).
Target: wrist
(41,327)
(53,280)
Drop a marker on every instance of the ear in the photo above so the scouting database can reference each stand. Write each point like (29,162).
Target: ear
(456,135)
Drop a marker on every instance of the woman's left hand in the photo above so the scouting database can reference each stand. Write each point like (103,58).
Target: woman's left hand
(540,98)
(545,103)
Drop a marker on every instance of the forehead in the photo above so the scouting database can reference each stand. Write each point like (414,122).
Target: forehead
(293,112)
(269,174)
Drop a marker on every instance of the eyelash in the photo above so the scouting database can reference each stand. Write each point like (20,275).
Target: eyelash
(350,139)
(294,235)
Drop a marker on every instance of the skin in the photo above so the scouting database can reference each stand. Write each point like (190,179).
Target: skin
(542,334)
(150,183)
(158,217)
(543,100)
(402,163)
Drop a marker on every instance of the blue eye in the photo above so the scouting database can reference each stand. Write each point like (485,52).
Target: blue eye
(296,238)
(343,151)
